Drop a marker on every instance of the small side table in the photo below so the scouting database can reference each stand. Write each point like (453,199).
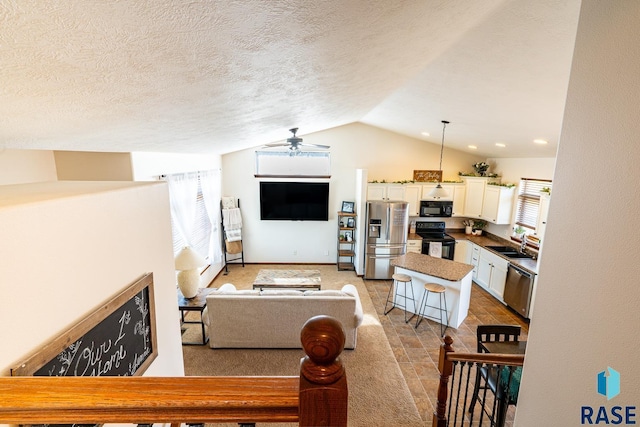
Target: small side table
(197,303)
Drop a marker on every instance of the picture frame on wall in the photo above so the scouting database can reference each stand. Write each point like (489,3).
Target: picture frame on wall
(347,207)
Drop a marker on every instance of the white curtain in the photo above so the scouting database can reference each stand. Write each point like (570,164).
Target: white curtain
(183,192)
(211,193)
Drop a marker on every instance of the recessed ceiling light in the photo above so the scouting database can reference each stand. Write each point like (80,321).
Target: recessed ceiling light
(540,141)
(425,133)
(500,144)
(473,147)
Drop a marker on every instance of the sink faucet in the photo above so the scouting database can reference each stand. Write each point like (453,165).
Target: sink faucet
(523,245)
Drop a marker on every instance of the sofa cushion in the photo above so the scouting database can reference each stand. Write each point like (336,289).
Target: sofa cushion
(289,292)
(327,293)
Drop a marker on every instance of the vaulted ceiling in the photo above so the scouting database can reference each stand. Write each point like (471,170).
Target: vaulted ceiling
(224,75)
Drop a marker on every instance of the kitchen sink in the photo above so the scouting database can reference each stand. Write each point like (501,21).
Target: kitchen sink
(509,252)
(503,248)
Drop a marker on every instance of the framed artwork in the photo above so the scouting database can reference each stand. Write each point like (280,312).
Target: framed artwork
(347,207)
(351,222)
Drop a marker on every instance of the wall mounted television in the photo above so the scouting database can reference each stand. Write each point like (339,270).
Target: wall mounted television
(294,201)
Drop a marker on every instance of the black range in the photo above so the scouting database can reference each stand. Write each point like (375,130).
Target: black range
(434,232)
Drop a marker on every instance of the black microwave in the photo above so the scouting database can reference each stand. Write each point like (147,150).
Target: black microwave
(436,208)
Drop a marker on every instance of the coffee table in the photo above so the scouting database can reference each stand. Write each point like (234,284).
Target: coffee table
(287,279)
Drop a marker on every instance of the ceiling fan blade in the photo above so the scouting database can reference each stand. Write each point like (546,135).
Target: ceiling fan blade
(277,144)
(324,147)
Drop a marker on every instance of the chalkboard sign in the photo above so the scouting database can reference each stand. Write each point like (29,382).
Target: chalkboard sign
(119,339)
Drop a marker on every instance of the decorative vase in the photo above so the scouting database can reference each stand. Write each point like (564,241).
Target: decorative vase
(467,229)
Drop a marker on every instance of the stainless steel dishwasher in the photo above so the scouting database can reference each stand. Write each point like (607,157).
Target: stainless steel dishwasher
(517,290)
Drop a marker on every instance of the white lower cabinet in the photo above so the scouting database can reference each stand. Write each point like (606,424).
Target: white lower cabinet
(462,252)
(492,273)
(414,246)
(475,259)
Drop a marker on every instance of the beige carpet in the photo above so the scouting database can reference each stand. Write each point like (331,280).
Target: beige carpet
(378,394)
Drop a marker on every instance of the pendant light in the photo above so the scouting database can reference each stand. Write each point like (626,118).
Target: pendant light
(439,192)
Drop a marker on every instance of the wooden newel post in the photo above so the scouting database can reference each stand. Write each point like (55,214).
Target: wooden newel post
(323,382)
(445,368)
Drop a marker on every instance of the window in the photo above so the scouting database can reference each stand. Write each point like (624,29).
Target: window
(201,229)
(529,202)
(194,215)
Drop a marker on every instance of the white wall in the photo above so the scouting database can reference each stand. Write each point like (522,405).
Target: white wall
(67,247)
(385,155)
(25,166)
(93,166)
(148,166)
(586,312)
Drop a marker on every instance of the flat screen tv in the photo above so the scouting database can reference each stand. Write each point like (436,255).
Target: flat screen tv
(294,201)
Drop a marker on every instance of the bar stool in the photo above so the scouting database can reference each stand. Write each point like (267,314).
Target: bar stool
(391,298)
(436,289)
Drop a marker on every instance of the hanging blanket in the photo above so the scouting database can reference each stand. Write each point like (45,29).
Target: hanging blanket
(232,223)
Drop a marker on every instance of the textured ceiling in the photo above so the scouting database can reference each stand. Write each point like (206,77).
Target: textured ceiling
(219,76)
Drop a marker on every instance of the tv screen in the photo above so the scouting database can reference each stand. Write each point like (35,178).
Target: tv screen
(294,201)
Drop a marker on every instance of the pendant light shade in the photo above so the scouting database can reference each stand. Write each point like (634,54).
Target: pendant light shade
(440,192)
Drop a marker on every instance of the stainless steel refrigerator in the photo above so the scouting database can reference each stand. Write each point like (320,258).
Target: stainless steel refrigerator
(387,227)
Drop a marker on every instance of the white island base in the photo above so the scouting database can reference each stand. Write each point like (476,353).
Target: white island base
(457,295)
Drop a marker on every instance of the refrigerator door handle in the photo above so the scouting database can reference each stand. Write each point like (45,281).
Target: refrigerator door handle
(388,221)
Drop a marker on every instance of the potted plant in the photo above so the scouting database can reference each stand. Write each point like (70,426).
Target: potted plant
(478,226)
(481,168)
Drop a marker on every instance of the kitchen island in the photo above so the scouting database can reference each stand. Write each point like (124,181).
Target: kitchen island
(454,276)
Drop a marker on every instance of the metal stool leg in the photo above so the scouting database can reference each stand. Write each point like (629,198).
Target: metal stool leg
(442,331)
(389,298)
(423,305)
(413,299)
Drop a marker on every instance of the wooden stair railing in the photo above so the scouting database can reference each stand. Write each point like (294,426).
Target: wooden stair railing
(452,408)
(318,397)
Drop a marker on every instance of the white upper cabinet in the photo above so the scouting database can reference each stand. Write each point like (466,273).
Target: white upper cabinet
(543,211)
(385,192)
(497,205)
(474,196)
(493,203)
(412,195)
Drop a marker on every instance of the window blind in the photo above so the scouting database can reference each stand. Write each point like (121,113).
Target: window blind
(528,207)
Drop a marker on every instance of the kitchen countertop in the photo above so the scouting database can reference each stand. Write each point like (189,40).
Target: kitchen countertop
(531,265)
(436,267)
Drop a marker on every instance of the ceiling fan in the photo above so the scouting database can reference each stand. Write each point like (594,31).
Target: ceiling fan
(295,142)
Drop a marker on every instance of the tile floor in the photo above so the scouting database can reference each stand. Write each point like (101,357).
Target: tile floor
(417,349)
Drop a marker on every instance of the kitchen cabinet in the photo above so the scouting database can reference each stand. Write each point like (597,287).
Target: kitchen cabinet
(492,273)
(414,246)
(543,211)
(412,194)
(493,203)
(474,196)
(475,259)
(497,205)
(462,252)
(385,192)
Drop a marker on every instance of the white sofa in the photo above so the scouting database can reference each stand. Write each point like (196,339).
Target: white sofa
(274,318)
